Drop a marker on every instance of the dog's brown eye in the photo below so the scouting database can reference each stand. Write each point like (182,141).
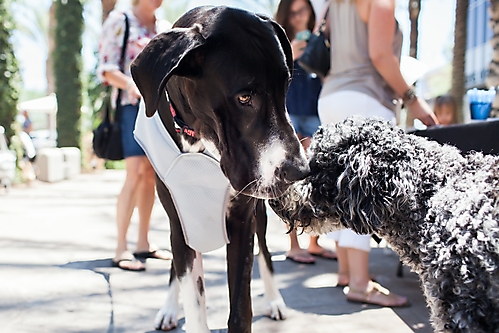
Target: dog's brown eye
(244,99)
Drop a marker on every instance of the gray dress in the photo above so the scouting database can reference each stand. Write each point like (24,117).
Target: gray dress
(351,67)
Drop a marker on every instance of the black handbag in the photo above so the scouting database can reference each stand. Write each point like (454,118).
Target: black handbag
(107,141)
(316,58)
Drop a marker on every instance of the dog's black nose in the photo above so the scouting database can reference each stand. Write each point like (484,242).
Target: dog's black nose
(291,172)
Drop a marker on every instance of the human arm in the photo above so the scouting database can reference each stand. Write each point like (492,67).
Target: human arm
(297,48)
(381,26)
(110,69)
(118,79)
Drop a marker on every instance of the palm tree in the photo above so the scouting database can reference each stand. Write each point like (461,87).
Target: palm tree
(493,77)
(459,59)
(414,10)
(67,70)
(49,69)
(34,23)
(9,80)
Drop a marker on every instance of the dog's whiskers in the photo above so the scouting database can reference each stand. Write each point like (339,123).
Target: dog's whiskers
(245,187)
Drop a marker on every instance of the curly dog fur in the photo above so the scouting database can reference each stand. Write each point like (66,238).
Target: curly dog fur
(437,209)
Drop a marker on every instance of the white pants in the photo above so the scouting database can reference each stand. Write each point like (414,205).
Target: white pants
(337,107)
(340,105)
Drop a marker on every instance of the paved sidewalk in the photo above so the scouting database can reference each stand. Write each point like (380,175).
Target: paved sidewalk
(56,244)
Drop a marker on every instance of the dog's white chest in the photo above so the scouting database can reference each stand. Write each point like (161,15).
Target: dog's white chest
(199,189)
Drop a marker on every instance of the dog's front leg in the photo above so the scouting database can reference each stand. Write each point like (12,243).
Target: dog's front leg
(186,276)
(277,309)
(275,303)
(167,317)
(193,295)
(192,287)
(241,226)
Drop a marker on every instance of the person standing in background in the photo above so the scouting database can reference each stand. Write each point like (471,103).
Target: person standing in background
(27,124)
(445,109)
(139,187)
(297,17)
(365,80)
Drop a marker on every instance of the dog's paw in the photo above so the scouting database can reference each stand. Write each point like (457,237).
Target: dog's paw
(277,309)
(166,319)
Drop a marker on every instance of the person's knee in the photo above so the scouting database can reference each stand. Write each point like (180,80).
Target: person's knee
(147,172)
(132,178)
(133,171)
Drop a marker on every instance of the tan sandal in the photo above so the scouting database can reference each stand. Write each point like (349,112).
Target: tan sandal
(376,295)
(343,280)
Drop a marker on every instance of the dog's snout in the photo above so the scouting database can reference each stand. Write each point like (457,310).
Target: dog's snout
(290,172)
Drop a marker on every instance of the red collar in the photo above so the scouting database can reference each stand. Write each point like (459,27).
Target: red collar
(180,126)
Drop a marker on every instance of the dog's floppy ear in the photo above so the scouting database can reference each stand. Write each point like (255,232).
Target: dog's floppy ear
(283,40)
(286,46)
(169,53)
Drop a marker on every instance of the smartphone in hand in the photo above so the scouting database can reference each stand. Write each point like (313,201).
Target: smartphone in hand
(303,35)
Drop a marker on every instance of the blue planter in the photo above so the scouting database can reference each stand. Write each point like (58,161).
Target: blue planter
(480,110)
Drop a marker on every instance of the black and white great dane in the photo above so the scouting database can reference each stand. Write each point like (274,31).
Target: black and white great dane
(226,73)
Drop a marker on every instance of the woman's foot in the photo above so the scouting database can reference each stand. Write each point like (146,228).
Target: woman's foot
(152,252)
(343,279)
(377,295)
(155,254)
(325,254)
(127,262)
(300,256)
(318,251)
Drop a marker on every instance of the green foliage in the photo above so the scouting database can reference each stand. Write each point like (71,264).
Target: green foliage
(67,70)
(9,70)
(116,165)
(174,9)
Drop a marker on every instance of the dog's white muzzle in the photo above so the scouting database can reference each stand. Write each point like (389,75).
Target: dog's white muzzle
(199,189)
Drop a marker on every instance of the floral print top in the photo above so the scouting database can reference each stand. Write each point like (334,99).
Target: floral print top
(111,42)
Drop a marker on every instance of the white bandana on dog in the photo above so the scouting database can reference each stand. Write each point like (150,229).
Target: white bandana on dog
(199,189)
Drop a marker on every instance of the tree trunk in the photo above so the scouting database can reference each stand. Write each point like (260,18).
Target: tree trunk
(493,77)
(9,69)
(67,70)
(49,68)
(107,7)
(458,62)
(414,10)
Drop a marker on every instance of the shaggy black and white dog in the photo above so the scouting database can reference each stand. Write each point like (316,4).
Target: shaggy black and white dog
(437,209)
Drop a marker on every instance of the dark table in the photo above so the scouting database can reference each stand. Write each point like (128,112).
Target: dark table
(475,136)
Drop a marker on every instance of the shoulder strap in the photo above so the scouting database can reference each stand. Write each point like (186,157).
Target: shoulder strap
(117,116)
(125,40)
(324,24)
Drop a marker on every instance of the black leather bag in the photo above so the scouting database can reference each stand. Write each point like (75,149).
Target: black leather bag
(107,142)
(316,58)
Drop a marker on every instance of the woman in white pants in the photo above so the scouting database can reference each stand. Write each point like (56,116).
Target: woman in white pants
(365,80)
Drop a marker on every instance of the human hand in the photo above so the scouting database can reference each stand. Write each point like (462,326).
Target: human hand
(133,92)
(298,46)
(422,111)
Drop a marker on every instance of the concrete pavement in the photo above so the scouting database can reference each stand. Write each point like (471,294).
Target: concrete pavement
(56,244)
